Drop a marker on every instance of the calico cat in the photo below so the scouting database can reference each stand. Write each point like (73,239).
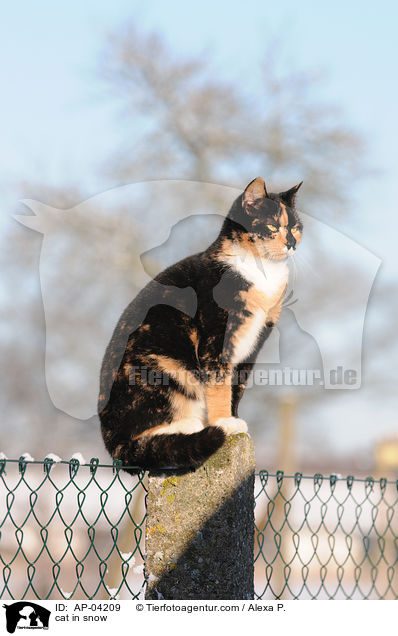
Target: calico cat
(179,359)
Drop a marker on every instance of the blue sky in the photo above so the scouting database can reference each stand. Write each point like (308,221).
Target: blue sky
(56,119)
(59,125)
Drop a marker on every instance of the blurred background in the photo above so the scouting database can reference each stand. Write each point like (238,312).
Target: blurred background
(127,98)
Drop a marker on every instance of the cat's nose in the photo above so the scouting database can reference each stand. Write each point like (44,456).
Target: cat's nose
(290,241)
(291,244)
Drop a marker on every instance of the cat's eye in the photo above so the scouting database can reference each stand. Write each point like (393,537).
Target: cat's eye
(272,228)
(295,229)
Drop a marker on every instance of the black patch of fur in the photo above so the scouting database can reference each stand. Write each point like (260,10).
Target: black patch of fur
(173,451)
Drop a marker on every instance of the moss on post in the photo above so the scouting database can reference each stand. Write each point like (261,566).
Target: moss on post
(200,528)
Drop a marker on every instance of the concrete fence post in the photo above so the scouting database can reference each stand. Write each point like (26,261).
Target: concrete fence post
(200,528)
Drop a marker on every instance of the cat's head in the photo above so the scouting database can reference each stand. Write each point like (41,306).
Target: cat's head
(267,223)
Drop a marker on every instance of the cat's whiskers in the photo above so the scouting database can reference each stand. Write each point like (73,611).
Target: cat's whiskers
(303,263)
(293,261)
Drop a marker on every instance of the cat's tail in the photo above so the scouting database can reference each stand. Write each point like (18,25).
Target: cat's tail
(177,450)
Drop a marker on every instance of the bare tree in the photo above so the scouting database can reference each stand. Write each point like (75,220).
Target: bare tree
(180,120)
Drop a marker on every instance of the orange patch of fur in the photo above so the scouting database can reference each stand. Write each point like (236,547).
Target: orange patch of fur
(275,311)
(226,249)
(183,409)
(127,369)
(194,337)
(155,430)
(255,299)
(274,247)
(117,450)
(297,235)
(266,246)
(283,219)
(218,400)
(176,370)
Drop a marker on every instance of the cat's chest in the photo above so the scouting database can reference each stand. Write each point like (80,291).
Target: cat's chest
(267,283)
(265,276)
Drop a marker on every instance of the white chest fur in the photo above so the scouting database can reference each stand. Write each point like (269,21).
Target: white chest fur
(266,276)
(246,339)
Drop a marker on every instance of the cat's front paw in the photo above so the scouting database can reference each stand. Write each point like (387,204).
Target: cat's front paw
(232,425)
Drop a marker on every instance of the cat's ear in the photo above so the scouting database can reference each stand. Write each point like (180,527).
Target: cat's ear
(289,196)
(255,190)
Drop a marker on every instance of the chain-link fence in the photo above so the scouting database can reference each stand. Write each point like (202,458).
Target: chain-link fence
(71,530)
(326,537)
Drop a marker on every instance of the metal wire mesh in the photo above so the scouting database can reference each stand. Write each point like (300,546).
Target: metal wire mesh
(77,531)
(326,537)
(71,530)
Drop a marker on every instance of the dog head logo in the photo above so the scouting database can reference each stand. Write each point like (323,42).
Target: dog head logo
(26,615)
(96,256)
